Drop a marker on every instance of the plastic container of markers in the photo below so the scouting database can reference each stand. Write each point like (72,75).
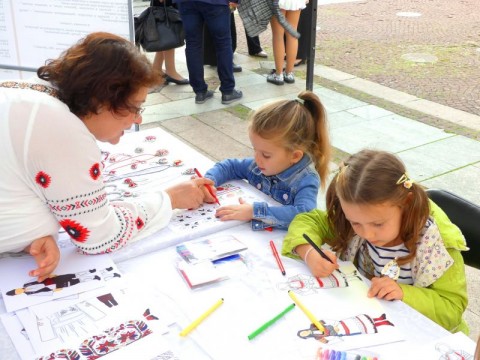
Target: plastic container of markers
(330,354)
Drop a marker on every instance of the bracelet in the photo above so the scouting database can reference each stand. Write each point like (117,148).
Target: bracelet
(306,255)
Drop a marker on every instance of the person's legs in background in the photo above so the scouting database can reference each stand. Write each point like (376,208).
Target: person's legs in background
(278,52)
(209,51)
(303,29)
(254,47)
(284,50)
(193,21)
(217,19)
(291,44)
(170,73)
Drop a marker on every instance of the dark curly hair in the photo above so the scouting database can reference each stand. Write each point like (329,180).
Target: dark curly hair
(101,69)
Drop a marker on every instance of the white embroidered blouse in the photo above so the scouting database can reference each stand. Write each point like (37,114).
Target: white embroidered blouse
(51,177)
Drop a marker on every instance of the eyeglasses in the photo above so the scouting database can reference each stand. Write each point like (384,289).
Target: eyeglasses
(138,111)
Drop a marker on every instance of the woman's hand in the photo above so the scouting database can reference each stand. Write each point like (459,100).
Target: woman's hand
(46,254)
(319,267)
(385,288)
(243,211)
(190,194)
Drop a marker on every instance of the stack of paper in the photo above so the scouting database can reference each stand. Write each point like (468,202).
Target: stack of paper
(83,312)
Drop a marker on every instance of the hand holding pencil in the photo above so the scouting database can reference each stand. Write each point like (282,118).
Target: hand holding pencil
(319,263)
(208,187)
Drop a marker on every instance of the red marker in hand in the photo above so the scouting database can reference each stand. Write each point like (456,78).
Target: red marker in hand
(209,188)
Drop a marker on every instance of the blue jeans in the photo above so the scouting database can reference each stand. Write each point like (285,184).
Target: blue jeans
(217,19)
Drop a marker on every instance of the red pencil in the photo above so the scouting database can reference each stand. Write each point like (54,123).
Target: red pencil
(209,188)
(277,257)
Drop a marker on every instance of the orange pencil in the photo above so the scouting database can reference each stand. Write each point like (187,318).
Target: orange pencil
(209,188)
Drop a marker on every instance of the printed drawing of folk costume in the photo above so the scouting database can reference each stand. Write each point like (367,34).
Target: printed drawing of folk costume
(336,329)
(54,283)
(308,284)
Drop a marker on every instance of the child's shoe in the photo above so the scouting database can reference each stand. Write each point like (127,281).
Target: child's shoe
(275,79)
(289,78)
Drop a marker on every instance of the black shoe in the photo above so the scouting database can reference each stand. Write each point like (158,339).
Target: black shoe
(201,97)
(237,68)
(233,96)
(169,79)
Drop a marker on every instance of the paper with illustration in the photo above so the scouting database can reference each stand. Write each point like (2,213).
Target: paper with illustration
(74,274)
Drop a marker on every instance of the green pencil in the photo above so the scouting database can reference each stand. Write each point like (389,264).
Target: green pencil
(270,322)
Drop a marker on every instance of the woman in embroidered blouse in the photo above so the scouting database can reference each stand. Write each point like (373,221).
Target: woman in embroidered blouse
(383,222)
(51,172)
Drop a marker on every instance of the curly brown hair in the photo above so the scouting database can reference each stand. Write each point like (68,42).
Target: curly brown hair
(372,177)
(101,69)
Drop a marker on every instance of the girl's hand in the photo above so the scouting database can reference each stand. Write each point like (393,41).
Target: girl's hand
(319,267)
(46,254)
(385,288)
(243,212)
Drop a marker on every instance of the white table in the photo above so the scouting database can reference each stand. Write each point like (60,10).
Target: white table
(152,263)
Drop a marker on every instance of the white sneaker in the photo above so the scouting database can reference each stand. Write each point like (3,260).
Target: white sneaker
(289,78)
(275,79)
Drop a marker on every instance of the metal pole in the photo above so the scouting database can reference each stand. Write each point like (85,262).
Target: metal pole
(311,37)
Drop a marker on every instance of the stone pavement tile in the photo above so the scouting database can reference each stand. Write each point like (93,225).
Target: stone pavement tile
(391,133)
(441,158)
(229,125)
(205,138)
(334,101)
(254,105)
(341,119)
(444,112)
(370,112)
(463,181)
(458,151)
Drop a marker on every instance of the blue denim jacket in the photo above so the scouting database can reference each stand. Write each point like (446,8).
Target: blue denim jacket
(296,189)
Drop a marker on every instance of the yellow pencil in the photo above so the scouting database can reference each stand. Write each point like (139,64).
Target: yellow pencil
(202,317)
(306,311)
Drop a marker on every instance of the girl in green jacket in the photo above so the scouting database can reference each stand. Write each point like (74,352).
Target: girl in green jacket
(383,222)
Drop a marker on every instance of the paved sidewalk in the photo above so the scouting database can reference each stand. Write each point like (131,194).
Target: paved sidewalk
(361,114)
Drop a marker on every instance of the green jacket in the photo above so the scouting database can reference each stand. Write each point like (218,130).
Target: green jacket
(444,301)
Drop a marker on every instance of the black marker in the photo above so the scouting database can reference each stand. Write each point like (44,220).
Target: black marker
(322,254)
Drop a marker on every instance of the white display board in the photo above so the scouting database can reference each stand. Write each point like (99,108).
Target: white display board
(33,31)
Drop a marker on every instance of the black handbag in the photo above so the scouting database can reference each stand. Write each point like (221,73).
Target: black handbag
(159,28)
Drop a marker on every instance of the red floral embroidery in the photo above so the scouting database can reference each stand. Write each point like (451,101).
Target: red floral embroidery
(76,231)
(139,223)
(95,171)
(43,179)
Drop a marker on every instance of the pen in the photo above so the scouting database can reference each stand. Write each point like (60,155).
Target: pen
(270,322)
(306,311)
(315,246)
(277,257)
(207,186)
(202,317)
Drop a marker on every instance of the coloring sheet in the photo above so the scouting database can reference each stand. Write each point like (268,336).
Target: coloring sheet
(74,274)
(94,327)
(192,224)
(456,346)
(203,218)
(350,319)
